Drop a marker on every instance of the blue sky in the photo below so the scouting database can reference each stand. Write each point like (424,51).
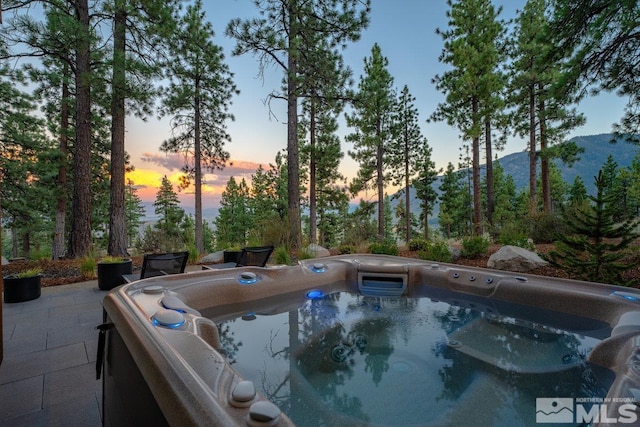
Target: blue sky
(405,31)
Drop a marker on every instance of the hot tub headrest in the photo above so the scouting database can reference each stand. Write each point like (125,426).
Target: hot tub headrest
(628,322)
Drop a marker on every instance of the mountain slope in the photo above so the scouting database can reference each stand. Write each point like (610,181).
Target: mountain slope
(596,150)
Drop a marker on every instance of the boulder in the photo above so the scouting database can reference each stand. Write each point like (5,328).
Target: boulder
(514,258)
(4,261)
(317,250)
(212,258)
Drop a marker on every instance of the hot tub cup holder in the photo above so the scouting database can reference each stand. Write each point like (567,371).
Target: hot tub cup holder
(170,319)
(248,278)
(263,413)
(243,394)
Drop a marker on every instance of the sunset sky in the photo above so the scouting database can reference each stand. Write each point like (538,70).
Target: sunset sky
(405,31)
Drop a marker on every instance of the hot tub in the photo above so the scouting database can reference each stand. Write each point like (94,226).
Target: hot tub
(168,357)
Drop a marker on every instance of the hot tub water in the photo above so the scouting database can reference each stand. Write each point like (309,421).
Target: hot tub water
(346,358)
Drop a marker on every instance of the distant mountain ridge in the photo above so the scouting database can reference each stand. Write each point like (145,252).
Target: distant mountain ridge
(596,150)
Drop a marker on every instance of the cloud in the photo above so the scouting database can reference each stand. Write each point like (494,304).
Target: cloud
(170,161)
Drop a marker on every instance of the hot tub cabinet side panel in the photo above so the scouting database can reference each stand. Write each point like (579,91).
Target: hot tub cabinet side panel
(126,397)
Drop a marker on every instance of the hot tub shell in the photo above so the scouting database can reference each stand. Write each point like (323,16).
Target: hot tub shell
(175,375)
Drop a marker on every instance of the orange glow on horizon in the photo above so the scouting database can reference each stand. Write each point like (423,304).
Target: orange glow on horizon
(147,182)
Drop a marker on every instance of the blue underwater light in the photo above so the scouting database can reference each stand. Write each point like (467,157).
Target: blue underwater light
(315,294)
(627,295)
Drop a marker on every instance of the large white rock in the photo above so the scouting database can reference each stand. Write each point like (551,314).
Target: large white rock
(212,258)
(514,258)
(318,250)
(4,261)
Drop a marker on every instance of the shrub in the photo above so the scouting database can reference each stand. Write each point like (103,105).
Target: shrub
(31,272)
(306,254)
(346,249)
(194,256)
(281,255)
(545,228)
(513,237)
(418,245)
(438,251)
(384,248)
(473,247)
(88,267)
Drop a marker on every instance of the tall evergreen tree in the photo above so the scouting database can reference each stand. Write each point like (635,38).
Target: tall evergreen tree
(167,207)
(139,29)
(134,211)
(285,35)
(427,174)
(198,99)
(373,121)
(470,47)
(23,147)
(405,151)
(541,110)
(234,221)
(454,203)
(323,154)
(32,36)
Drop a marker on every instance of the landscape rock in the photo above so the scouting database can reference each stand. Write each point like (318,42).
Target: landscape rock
(318,250)
(4,261)
(455,253)
(514,258)
(212,258)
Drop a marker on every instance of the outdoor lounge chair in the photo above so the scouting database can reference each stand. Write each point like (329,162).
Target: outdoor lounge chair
(159,265)
(251,255)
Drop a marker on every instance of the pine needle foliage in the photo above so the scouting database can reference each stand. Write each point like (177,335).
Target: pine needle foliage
(596,248)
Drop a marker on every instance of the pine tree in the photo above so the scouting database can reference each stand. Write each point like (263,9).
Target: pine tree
(409,156)
(577,192)
(74,18)
(235,220)
(471,48)
(323,154)
(454,204)
(603,39)
(542,110)
(167,207)
(373,121)
(597,245)
(286,35)
(426,176)
(198,99)
(134,211)
(138,28)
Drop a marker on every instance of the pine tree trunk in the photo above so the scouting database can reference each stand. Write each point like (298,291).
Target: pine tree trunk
(533,187)
(477,200)
(545,178)
(407,196)
(199,232)
(117,221)
(80,241)
(491,197)
(380,181)
(426,219)
(313,226)
(61,180)
(293,170)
